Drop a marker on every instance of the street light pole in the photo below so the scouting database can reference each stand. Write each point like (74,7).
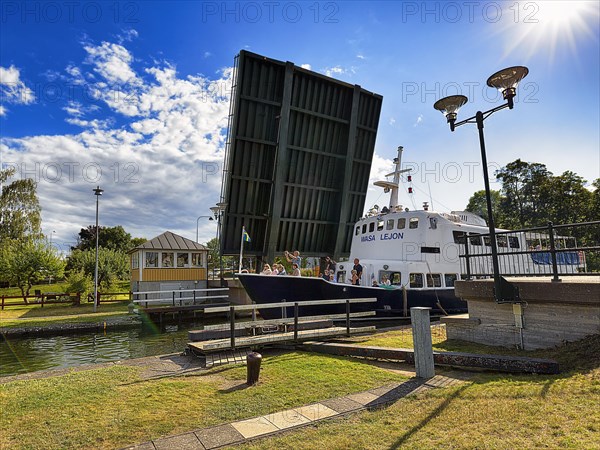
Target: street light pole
(218,213)
(506,81)
(198,222)
(97,192)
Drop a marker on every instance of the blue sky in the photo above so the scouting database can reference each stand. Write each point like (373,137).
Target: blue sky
(134,96)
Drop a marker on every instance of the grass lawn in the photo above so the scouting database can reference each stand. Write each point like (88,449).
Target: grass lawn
(113,407)
(20,314)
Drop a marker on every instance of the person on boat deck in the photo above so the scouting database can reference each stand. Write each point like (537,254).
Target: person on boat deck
(281,270)
(326,276)
(266,270)
(295,270)
(375,283)
(275,270)
(385,280)
(294,258)
(330,264)
(359,270)
(354,278)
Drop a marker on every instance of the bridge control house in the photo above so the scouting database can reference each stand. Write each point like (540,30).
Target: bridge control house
(169,262)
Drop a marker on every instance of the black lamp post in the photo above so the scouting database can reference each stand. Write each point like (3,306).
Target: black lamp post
(218,213)
(198,223)
(97,192)
(505,81)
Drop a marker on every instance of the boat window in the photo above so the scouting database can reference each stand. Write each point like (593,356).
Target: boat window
(357,231)
(459,237)
(371,227)
(379,225)
(450,278)
(513,242)
(341,276)
(167,259)
(416,280)
(434,280)
(430,249)
(502,240)
(475,240)
(396,278)
(487,241)
(433,223)
(413,222)
(390,224)
(151,259)
(401,223)
(182,259)
(385,275)
(364,230)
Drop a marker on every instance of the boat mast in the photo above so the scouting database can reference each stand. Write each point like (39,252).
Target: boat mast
(393,186)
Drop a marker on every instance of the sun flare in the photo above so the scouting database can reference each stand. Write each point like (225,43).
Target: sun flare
(552,26)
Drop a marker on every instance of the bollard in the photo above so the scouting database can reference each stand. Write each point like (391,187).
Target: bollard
(253,361)
(424,364)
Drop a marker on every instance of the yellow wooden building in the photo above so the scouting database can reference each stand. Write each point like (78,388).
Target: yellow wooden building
(169,262)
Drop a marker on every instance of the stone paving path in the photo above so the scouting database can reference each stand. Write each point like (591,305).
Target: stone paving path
(258,427)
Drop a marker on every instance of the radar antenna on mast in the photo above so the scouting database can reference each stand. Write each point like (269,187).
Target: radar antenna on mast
(392,186)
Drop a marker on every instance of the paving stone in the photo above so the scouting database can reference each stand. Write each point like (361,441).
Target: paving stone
(364,398)
(384,389)
(187,441)
(287,419)
(144,446)
(342,405)
(254,427)
(218,436)
(316,411)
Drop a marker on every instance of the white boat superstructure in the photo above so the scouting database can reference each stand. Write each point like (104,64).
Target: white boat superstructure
(420,249)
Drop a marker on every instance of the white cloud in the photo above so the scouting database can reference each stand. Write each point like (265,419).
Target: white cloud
(306,66)
(160,169)
(392,121)
(112,62)
(336,71)
(360,56)
(12,89)
(418,121)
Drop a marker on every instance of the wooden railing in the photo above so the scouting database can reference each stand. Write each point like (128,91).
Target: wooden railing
(40,299)
(232,309)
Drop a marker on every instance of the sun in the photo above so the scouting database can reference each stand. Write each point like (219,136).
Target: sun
(559,14)
(551,26)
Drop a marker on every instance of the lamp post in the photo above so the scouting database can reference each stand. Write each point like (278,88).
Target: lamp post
(218,213)
(505,81)
(97,192)
(198,222)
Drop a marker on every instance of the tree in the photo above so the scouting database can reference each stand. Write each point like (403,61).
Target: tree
(112,265)
(478,205)
(19,208)
(565,199)
(522,193)
(26,262)
(114,238)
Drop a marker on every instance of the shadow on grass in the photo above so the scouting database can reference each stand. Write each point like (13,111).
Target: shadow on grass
(436,412)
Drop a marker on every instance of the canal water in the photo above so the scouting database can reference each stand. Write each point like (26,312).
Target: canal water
(30,354)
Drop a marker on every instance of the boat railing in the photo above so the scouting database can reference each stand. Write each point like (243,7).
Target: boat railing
(552,250)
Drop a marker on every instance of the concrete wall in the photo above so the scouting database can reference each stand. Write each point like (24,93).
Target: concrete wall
(237,293)
(551,313)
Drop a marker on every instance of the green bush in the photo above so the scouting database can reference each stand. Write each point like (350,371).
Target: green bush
(78,281)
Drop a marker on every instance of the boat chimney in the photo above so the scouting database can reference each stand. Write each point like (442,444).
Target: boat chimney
(425,206)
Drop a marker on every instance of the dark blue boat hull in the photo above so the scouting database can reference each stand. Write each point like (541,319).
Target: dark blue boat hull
(273,289)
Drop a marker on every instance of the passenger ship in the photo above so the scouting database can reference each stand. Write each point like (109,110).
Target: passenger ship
(417,251)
